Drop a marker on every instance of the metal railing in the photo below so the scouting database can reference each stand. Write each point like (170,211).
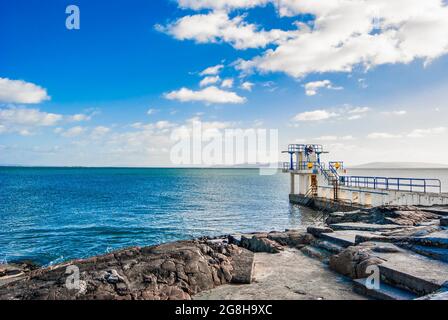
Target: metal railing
(397,184)
(293,148)
(302,165)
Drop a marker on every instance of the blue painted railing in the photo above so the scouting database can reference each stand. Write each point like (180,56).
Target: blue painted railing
(397,184)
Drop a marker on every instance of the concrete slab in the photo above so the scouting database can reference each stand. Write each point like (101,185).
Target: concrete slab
(434,253)
(412,271)
(364,226)
(437,239)
(384,292)
(344,238)
(289,275)
(443,211)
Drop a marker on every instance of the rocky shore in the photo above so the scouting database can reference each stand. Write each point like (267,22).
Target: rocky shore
(407,245)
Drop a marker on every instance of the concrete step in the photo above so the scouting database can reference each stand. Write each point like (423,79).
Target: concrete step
(413,272)
(431,252)
(385,291)
(443,211)
(436,239)
(344,238)
(359,226)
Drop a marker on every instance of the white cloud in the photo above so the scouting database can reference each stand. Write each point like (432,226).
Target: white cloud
(100,131)
(150,112)
(316,115)
(416,133)
(227,83)
(395,113)
(11,117)
(80,117)
(358,110)
(209,80)
(383,135)
(346,112)
(208,95)
(210,71)
(18,91)
(335,138)
(422,133)
(347,33)
(220,4)
(73,132)
(217,27)
(311,88)
(247,86)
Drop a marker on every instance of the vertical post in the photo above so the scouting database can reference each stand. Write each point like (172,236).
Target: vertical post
(292,161)
(292,183)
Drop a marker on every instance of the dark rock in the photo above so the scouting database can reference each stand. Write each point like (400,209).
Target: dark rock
(167,272)
(398,215)
(260,243)
(353,261)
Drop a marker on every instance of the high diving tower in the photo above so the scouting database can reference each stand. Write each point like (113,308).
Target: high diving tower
(313,179)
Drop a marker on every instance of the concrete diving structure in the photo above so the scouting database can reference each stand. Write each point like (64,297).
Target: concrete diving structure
(326,185)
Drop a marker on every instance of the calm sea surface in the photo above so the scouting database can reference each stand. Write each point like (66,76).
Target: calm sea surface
(49,215)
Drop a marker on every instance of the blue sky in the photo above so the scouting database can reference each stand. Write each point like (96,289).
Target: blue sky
(370,89)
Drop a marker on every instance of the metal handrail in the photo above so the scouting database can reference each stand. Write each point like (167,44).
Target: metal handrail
(398,184)
(301,165)
(293,148)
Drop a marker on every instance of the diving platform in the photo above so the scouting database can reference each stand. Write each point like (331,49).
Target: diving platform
(313,180)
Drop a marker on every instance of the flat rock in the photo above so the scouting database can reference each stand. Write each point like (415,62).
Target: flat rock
(360,226)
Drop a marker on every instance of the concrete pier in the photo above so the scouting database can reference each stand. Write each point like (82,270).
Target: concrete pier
(315,183)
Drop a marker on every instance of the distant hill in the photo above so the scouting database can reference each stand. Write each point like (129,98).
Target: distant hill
(400,165)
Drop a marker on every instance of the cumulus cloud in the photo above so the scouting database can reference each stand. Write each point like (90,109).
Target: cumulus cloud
(220,4)
(316,115)
(80,117)
(25,121)
(211,71)
(13,117)
(209,80)
(18,91)
(208,95)
(217,27)
(348,33)
(72,132)
(100,131)
(227,83)
(345,112)
(247,86)
(311,88)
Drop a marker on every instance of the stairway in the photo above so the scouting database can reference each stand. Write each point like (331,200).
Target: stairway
(405,275)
